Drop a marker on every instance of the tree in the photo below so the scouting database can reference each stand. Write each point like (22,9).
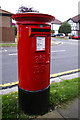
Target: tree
(65,28)
(23,9)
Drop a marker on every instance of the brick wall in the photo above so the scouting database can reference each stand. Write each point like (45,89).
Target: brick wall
(7,34)
(5,21)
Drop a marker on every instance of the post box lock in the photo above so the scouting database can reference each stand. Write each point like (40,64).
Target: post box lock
(47,62)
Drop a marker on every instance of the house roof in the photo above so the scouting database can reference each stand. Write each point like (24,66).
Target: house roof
(75,18)
(5,13)
(56,21)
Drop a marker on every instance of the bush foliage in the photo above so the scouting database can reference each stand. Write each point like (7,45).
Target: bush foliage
(65,28)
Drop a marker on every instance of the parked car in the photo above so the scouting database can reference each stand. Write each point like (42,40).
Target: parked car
(60,35)
(76,37)
(53,35)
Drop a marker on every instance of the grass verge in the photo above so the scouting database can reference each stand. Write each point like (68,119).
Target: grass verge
(59,93)
(6,45)
(64,91)
(60,38)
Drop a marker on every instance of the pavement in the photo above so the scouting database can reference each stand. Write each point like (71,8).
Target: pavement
(71,110)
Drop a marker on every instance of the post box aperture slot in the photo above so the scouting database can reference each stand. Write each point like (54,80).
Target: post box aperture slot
(39,30)
(40,43)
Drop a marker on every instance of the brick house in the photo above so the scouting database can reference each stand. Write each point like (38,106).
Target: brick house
(7,32)
(55,24)
(75,24)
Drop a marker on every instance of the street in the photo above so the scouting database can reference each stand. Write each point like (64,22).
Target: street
(64,57)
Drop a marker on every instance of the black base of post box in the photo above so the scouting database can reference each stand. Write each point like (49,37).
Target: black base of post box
(34,102)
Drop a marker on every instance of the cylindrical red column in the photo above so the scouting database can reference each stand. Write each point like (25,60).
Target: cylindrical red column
(34,39)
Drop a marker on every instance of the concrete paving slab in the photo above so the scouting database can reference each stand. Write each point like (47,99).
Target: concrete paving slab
(71,110)
(53,80)
(71,76)
(53,114)
(9,90)
(65,77)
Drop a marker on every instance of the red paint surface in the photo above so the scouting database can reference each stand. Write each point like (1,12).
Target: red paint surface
(33,65)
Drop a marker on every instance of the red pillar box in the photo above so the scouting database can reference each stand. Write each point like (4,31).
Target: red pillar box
(34,39)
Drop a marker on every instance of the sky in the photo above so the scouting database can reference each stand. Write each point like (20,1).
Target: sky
(60,9)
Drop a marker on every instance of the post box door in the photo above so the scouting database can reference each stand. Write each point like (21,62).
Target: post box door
(41,67)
